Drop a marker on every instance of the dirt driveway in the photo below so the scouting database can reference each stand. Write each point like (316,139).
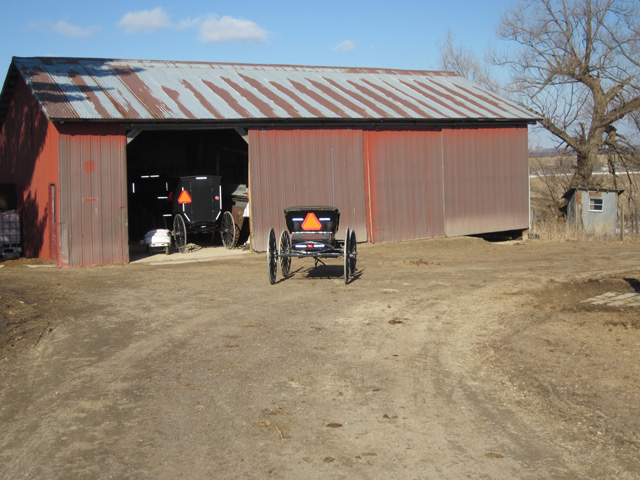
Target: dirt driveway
(443,359)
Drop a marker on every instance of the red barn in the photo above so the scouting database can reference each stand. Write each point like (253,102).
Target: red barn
(402,154)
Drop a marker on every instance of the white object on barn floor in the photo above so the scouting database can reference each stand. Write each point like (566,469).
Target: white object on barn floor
(159,238)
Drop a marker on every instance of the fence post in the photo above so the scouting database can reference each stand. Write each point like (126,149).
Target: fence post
(621,223)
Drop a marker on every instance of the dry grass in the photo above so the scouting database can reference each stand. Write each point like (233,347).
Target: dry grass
(559,230)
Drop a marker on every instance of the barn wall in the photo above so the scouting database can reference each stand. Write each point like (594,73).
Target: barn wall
(486,180)
(93,195)
(305,167)
(29,159)
(393,185)
(405,197)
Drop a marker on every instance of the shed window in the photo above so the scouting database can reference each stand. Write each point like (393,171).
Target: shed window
(595,204)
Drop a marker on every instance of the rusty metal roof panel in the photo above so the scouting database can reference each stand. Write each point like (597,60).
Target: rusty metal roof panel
(143,90)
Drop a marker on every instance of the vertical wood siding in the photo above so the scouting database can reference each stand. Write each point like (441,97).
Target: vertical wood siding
(305,167)
(93,203)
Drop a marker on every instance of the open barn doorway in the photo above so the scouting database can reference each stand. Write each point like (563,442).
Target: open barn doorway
(156,159)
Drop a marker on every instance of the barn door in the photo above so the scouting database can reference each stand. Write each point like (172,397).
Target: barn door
(404,185)
(305,167)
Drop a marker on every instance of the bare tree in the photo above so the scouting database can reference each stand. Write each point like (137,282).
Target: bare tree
(577,64)
(464,62)
(623,159)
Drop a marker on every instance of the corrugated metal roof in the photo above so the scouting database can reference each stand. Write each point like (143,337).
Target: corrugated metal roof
(141,90)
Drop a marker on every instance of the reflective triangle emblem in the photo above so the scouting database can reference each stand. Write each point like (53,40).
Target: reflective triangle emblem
(184,197)
(311,222)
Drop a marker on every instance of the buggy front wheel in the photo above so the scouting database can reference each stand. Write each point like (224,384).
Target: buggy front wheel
(228,232)
(285,247)
(272,256)
(179,233)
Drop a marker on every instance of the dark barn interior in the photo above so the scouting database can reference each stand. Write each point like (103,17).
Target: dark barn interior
(157,158)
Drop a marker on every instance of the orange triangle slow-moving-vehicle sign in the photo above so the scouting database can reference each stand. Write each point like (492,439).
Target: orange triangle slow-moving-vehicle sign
(311,222)
(184,197)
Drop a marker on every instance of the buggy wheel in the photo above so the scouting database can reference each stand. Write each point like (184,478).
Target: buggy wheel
(272,256)
(347,243)
(353,252)
(179,233)
(285,247)
(228,232)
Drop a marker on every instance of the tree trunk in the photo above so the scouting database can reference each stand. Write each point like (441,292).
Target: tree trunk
(584,169)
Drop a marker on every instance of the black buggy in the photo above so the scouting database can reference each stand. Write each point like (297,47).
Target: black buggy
(311,233)
(197,209)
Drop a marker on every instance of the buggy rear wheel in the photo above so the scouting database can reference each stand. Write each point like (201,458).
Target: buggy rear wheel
(285,247)
(228,232)
(353,252)
(347,263)
(272,256)
(179,233)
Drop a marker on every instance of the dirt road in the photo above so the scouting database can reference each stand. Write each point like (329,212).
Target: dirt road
(443,359)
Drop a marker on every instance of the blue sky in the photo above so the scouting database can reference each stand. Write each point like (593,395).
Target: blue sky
(391,34)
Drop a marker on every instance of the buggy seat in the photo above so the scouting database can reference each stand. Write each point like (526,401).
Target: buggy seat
(312,227)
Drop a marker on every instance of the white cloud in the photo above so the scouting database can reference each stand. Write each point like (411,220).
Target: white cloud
(216,29)
(64,28)
(189,23)
(212,28)
(75,31)
(145,21)
(345,46)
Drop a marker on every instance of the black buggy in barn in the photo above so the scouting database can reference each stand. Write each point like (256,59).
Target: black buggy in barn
(311,233)
(197,209)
